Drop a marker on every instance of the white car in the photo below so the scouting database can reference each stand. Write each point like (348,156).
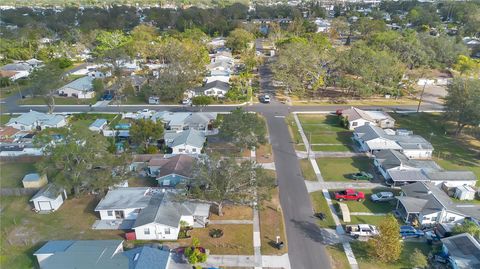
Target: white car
(186,101)
(358,230)
(383,196)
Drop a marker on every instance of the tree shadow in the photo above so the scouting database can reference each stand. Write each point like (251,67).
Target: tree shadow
(309,229)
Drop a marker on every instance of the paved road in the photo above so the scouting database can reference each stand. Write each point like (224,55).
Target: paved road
(305,248)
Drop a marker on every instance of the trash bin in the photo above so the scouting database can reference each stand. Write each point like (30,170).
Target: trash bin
(280,245)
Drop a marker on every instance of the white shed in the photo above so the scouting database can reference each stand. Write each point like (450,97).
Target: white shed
(465,192)
(49,198)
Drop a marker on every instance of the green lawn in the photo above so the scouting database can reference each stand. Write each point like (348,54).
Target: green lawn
(338,259)
(296,138)
(85,119)
(11,174)
(374,220)
(366,261)
(320,205)
(58,101)
(340,169)
(451,165)
(307,170)
(368,205)
(435,129)
(4,118)
(325,129)
(24,231)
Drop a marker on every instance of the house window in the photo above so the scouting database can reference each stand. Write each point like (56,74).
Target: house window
(354,123)
(425,218)
(146,231)
(451,219)
(434,218)
(194,150)
(181,150)
(167,230)
(109,213)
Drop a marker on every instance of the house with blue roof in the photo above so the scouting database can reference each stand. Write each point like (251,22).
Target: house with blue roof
(99,254)
(34,120)
(98,125)
(81,88)
(187,142)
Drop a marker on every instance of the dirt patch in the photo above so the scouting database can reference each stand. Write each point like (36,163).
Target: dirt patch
(264,154)
(232,212)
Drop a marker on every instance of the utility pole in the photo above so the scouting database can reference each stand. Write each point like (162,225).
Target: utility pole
(421,96)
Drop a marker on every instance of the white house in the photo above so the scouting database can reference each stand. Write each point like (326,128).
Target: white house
(98,125)
(36,120)
(16,71)
(81,88)
(153,214)
(190,141)
(357,117)
(215,88)
(371,138)
(49,198)
(180,121)
(217,42)
(225,79)
(428,204)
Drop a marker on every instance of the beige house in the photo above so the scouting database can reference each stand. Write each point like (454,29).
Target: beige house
(34,181)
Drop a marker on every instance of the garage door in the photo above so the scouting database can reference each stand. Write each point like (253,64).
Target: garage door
(44,206)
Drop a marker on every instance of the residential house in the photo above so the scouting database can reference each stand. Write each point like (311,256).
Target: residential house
(152,213)
(34,120)
(16,71)
(171,171)
(215,89)
(357,117)
(187,142)
(8,133)
(220,68)
(179,121)
(398,170)
(49,198)
(429,205)
(99,254)
(137,82)
(225,79)
(463,251)
(372,138)
(81,88)
(140,161)
(217,42)
(19,149)
(34,181)
(98,125)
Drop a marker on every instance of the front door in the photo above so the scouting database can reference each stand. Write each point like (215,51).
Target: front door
(119,215)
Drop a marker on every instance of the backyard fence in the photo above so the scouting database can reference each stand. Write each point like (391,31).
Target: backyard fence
(17,192)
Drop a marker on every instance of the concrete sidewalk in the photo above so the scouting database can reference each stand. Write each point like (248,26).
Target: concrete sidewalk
(313,186)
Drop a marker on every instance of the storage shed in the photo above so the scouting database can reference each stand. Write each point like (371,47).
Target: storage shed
(49,198)
(465,192)
(34,180)
(98,125)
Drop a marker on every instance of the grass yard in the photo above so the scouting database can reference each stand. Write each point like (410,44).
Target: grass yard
(451,165)
(320,205)
(340,169)
(11,174)
(264,154)
(368,205)
(58,101)
(307,170)
(338,258)
(4,118)
(237,239)
(365,261)
(233,212)
(364,102)
(325,133)
(374,220)
(294,134)
(460,150)
(24,231)
(84,120)
(272,225)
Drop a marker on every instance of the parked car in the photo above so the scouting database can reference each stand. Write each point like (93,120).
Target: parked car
(410,231)
(186,101)
(383,196)
(358,230)
(350,194)
(265,98)
(107,96)
(362,176)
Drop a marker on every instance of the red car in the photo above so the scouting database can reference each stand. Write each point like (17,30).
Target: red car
(350,195)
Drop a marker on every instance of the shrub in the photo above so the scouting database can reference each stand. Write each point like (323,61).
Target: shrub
(418,260)
(216,233)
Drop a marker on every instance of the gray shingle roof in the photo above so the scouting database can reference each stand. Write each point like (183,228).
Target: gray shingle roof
(51,191)
(148,258)
(189,137)
(369,132)
(178,164)
(122,198)
(392,158)
(163,210)
(98,123)
(80,84)
(354,113)
(32,117)
(214,84)
(450,175)
(464,249)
